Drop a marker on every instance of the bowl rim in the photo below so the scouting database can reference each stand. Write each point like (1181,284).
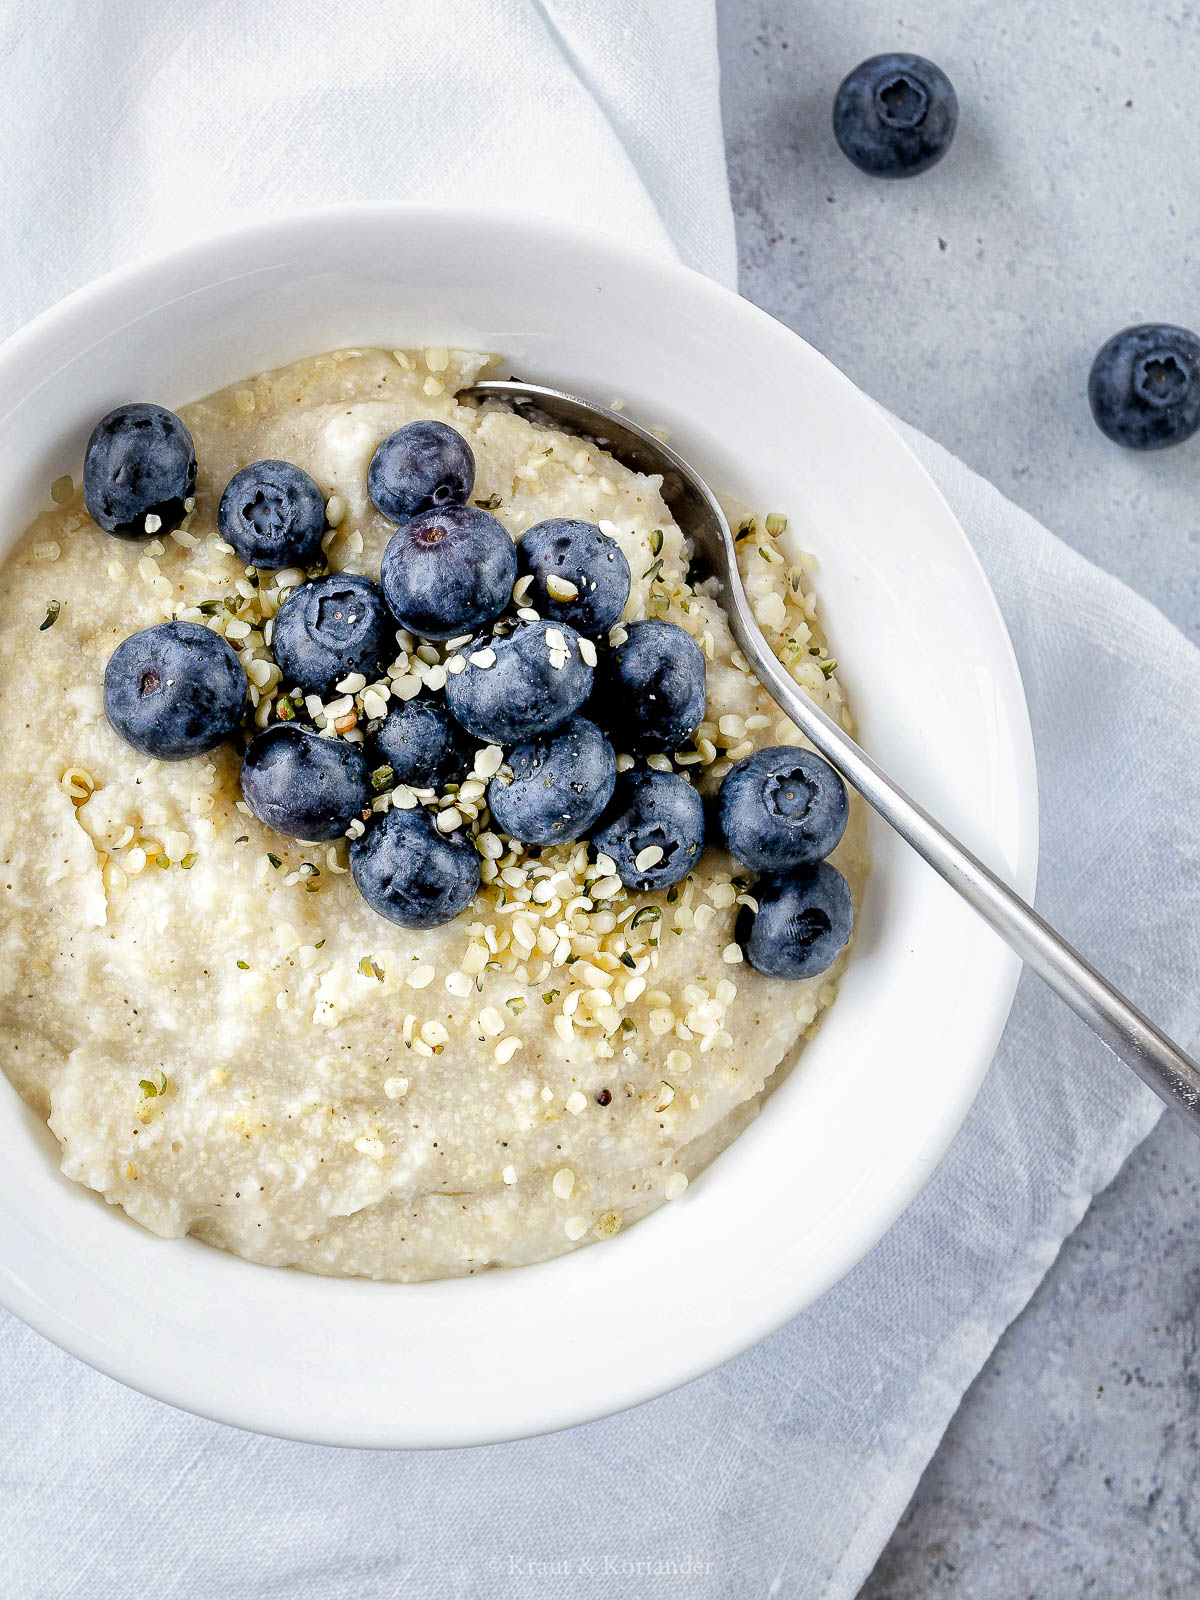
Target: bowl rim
(55,1324)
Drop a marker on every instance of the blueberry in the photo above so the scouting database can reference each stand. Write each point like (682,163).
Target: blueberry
(650,690)
(139,472)
(576,555)
(895,115)
(273,515)
(448,571)
(780,808)
(422,466)
(303,785)
(174,690)
(1144,386)
(531,680)
(422,744)
(560,785)
(410,873)
(331,627)
(652,810)
(803,921)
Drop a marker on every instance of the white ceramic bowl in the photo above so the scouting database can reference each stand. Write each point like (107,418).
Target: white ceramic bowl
(852,1135)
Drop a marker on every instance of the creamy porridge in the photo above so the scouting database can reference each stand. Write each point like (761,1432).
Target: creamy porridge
(223,1035)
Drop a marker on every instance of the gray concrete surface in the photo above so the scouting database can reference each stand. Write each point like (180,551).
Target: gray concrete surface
(1070,1470)
(970,301)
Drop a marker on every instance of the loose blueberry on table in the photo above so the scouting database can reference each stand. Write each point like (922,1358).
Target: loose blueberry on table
(1144,386)
(531,637)
(895,115)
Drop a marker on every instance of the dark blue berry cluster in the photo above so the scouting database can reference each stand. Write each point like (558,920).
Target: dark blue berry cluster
(548,680)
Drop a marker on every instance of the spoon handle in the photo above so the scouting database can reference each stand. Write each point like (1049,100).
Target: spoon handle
(1156,1059)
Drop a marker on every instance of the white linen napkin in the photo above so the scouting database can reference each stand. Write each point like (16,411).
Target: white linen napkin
(131,124)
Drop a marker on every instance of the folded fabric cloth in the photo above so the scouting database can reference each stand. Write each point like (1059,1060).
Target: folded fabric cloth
(132,124)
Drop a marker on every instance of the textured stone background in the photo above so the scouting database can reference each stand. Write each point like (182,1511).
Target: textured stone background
(971,300)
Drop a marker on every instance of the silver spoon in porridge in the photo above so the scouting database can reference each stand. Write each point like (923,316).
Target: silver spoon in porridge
(1157,1060)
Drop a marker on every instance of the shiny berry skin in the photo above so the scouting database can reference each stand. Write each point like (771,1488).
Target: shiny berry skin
(174,690)
(331,627)
(575,554)
(650,691)
(1144,386)
(302,785)
(652,810)
(422,466)
(273,515)
(781,807)
(410,873)
(422,744)
(895,115)
(448,571)
(802,924)
(140,467)
(560,785)
(537,679)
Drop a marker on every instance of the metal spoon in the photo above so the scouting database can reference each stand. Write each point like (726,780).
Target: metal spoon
(1172,1074)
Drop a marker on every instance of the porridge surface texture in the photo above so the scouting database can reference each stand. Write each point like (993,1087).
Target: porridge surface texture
(224,1038)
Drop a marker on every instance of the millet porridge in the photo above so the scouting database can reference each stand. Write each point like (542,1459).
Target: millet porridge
(224,1037)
